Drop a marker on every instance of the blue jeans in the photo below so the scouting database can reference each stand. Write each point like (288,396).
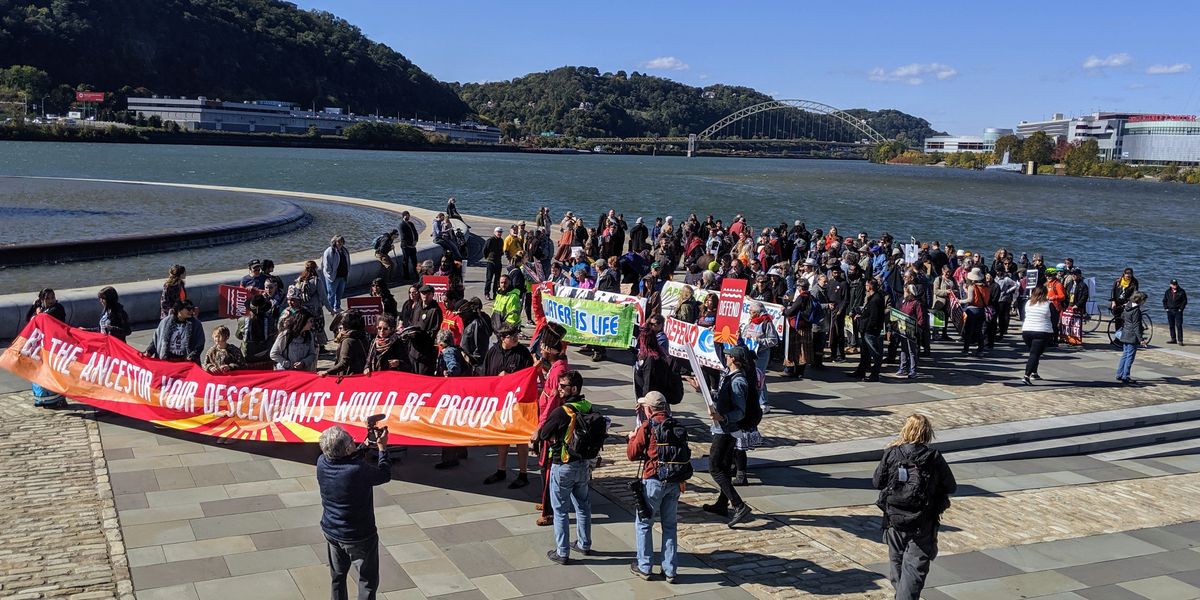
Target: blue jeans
(334,291)
(663,499)
(569,485)
(1127,356)
(760,363)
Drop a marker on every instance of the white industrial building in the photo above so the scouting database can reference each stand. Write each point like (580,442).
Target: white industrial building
(272,116)
(1137,138)
(966,143)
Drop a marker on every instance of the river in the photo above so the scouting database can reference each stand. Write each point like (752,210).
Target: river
(1103,224)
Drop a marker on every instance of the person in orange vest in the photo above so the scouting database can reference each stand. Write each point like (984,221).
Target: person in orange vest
(1056,294)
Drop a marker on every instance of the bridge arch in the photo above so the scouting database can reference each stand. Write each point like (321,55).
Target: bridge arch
(808,106)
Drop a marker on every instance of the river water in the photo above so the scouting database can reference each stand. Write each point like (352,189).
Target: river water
(1103,224)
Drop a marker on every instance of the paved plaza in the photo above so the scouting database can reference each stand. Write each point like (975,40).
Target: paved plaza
(100,506)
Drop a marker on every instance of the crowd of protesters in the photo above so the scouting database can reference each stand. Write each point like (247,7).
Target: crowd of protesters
(873,296)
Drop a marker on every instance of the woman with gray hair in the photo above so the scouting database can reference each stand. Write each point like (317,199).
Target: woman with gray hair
(335,263)
(759,331)
(345,480)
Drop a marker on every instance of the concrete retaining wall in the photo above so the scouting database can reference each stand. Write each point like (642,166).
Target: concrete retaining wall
(140,298)
(288,217)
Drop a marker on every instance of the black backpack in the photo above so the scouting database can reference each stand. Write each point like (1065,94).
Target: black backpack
(674,454)
(379,241)
(586,434)
(908,502)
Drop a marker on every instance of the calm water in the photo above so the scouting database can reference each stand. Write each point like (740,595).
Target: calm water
(1103,224)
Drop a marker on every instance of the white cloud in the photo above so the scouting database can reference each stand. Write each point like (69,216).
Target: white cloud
(1112,60)
(913,74)
(1169,69)
(665,63)
(703,76)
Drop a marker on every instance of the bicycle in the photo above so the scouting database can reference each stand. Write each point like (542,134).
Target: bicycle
(1117,322)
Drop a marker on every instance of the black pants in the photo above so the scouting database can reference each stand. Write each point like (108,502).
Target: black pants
(720,466)
(491,279)
(837,337)
(870,355)
(342,555)
(910,553)
(818,338)
(973,329)
(1003,318)
(1037,342)
(409,260)
(1175,324)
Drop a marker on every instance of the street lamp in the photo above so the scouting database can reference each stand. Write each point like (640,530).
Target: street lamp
(44,105)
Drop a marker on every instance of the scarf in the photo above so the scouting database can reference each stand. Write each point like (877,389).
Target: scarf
(1125,281)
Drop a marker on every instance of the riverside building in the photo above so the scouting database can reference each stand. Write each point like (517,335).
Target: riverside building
(1136,138)
(272,116)
(966,143)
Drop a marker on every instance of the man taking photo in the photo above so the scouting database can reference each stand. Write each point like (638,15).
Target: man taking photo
(345,477)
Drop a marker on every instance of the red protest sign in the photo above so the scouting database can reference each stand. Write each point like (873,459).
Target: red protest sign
(370,307)
(231,300)
(440,284)
(729,311)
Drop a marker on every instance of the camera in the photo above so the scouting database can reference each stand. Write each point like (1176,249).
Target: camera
(374,434)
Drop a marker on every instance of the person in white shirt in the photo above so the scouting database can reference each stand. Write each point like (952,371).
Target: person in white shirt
(1037,330)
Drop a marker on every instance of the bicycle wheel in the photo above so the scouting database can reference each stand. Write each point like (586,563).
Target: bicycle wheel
(1113,326)
(1147,329)
(1091,323)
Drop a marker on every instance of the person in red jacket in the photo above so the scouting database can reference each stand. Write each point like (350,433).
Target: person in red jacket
(662,497)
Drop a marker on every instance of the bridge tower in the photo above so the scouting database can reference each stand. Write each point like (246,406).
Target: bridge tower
(691,144)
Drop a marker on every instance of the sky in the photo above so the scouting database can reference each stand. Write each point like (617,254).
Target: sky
(962,65)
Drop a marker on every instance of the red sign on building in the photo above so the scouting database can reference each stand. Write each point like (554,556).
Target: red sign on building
(89,96)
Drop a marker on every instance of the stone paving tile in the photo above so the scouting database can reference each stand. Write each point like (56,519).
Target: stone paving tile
(245,523)
(185,571)
(275,585)
(478,559)
(1163,587)
(183,591)
(552,578)
(479,531)
(437,577)
(270,560)
(1026,585)
(1116,571)
(207,548)
(283,538)
(217,508)
(1109,592)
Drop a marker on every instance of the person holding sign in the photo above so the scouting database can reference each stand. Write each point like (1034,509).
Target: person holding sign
(911,306)
(509,356)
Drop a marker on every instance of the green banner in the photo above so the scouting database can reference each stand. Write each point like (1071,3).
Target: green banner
(592,322)
(905,325)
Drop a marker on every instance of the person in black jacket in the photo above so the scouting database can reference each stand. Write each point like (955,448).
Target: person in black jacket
(345,479)
(911,534)
(506,358)
(47,303)
(493,249)
(114,320)
(869,323)
(1174,301)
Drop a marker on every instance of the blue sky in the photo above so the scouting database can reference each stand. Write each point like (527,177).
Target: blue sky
(962,65)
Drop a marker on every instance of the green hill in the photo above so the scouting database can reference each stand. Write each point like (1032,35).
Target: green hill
(582,101)
(232,49)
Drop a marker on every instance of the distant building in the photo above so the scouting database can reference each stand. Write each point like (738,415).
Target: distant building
(1057,127)
(966,143)
(1131,137)
(274,116)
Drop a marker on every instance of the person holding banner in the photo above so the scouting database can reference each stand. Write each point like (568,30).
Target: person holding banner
(759,331)
(295,348)
(114,320)
(47,303)
(222,358)
(509,356)
(554,365)
(352,346)
(736,389)
(179,337)
(909,339)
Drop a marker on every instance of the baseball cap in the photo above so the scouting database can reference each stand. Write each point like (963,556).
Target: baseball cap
(654,400)
(425,289)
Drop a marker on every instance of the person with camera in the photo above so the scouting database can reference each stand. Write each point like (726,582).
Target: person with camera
(661,446)
(345,476)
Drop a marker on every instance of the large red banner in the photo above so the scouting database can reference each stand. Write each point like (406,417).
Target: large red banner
(729,310)
(275,406)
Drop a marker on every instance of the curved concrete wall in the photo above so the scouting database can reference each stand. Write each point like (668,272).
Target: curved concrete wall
(141,297)
(288,217)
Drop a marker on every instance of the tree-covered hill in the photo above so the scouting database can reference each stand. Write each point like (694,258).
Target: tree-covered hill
(582,101)
(232,49)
